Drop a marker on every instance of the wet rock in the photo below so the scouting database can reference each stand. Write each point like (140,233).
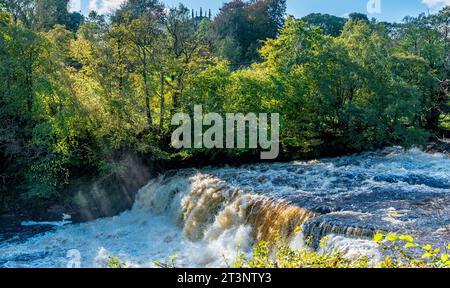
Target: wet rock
(350,225)
(438,147)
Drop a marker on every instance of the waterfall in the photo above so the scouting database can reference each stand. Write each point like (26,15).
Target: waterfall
(205,207)
(206,217)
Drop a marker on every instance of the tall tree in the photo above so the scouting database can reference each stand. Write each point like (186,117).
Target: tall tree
(142,22)
(427,37)
(22,10)
(331,25)
(48,13)
(240,28)
(358,17)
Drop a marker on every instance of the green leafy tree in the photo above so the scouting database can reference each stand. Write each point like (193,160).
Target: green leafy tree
(330,24)
(241,26)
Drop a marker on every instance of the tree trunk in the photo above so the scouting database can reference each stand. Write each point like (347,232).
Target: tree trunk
(162,103)
(29,85)
(148,102)
(147,93)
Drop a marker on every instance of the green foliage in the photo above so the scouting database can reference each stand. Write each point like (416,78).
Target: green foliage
(114,262)
(49,13)
(331,25)
(280,255)
(165,265)
(240,27)
(403,251)
(406,253)
(357,17)
(75,92)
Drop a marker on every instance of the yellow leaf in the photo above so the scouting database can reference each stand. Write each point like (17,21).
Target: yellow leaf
(324,241)
(392,237)
(444,257)
(378,237)
(297,230)
(427,255)
(407,238)
(410,245)
(427,247)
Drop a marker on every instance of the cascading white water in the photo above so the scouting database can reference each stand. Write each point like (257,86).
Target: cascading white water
(207,216)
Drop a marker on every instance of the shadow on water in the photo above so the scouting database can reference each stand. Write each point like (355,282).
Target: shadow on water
(12,230)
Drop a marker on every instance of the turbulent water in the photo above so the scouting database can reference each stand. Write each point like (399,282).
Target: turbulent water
(205,217)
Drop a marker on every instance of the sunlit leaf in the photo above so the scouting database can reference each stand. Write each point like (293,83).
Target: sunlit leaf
(410,245)
(407,238)
(427,247)
(378,237)
(427,255)
(392,237)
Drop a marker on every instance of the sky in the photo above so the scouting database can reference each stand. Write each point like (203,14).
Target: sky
(383,10)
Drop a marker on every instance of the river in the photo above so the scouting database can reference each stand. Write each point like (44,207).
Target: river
(207,216)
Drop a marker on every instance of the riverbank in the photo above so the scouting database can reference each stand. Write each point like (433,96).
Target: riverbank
(89,197)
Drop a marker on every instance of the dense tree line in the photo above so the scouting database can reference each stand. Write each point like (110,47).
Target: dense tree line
(77,91)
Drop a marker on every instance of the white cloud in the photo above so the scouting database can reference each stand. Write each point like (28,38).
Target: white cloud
(434,3)
(75,5)
(104,6)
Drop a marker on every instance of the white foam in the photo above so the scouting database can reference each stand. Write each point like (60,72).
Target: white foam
(65,221)
(200,216)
